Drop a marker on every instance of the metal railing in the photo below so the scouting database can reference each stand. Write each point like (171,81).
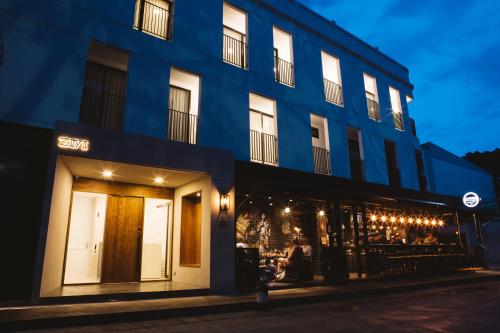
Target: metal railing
(153,19)
(333,92)
(283,71)
(263,147)
(234,51)
(373,109)
(398,119)
(321,159)
(182,127)
(101,109)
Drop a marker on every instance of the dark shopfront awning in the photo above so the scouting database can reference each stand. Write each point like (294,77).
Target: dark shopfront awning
(258,179)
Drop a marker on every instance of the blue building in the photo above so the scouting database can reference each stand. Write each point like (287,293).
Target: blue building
(181,122)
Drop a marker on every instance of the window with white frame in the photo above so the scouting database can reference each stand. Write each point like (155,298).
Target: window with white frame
(263,134)
(397,110)
(283,57)
(154,17)
(372,97)
(234,38)
(332,79)
(320,144)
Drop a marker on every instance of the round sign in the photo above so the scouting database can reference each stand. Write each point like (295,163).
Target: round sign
(471,199)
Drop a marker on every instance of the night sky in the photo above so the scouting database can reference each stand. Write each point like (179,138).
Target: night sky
(452,49)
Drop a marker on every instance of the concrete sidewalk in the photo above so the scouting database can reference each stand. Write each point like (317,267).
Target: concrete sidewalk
(44,316)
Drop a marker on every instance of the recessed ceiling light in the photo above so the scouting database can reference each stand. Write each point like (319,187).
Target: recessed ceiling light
(159,180)
(107,173)
(198,194)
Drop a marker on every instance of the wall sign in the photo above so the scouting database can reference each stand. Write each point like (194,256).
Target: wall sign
(65,142)
(471,199)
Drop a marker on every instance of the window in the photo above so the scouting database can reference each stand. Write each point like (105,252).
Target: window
(234,48)
(154,17)
(422,178)
(320,145)
(392,163)
(332,79)
(283,57)
(356,157)
(183,107)
(263,138)
(372,97)
(103,98)
(397,111)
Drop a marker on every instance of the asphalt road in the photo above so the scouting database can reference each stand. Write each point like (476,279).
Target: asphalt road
(469,308)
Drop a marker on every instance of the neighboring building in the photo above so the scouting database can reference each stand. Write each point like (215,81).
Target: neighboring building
(137,110)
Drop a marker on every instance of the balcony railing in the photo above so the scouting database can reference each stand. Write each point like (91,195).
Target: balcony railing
(153,19)
(333,92)
(321,159)
(183,127)
(283,72)
(373,109)
(263,147)
(398,119)
(234,51)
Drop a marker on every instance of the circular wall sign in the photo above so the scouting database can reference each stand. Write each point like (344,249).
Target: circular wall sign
(471,199)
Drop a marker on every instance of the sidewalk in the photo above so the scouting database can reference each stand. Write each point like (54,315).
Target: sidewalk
(44,316)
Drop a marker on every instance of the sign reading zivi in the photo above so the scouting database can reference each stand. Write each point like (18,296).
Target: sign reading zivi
(65,142)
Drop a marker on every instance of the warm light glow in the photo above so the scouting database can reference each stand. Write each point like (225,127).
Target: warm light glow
(198,194)
(270,204)
(65,142)
(287,210)
(410,220)
(107,173)
(224,202)
(419,221)
(230,51)
(321,213)
(393,219)
(384,218)
(440,223)
(373,218)
(434,222)
(374,227)
(426,222)
(159,180)
(401,220)
(381,227)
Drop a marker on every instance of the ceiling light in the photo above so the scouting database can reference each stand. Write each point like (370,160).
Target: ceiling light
(321,213)
(287,210)
(198,194)
(159,180)
(107,173)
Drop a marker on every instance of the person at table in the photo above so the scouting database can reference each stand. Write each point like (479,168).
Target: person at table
(430,239)
(307,248)
(293,254)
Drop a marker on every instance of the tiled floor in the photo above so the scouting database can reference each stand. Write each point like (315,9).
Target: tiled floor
(120,288)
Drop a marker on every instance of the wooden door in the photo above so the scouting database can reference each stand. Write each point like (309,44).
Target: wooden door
(190,247)
(122,239)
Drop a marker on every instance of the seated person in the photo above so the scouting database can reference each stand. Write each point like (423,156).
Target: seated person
(307,248)
(418,241)
(293,262)
(430,239)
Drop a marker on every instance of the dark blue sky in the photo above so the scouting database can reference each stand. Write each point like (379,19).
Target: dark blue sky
(452,49)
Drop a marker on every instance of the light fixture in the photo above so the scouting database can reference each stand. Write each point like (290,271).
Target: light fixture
(434,222)
(401,220)
(419,221)
(374,227)
(198,194)
(410,220)
(393,219)
(426,222)
(159,180)
(224,202)
(384,218)
(322,213)
(440,223)
(107,173)
(373,218)
(287,210)
(270,204)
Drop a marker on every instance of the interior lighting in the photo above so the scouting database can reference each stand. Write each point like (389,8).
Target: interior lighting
(107,173)
(159,180)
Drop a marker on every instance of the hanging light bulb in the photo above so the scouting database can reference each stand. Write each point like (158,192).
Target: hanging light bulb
(434,222)
(426,221)
(410,220)
(419,221)
(440,223)
(393,219)
(322,213)
(384,218)
(402,220)
(373,218)
(287,210)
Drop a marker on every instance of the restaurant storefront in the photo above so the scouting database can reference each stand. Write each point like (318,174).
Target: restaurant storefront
(346,230)
(129,215)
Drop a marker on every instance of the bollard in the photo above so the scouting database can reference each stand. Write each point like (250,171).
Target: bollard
(262,293)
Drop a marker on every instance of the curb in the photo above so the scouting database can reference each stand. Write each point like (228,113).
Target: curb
(278,302)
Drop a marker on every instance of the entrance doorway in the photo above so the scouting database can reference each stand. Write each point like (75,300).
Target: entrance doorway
(122,239)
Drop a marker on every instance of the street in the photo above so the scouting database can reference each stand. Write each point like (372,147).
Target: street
(467,308)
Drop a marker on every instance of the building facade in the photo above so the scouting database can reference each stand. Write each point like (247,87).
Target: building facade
(138,111)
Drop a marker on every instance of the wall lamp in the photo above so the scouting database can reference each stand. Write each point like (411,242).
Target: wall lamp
(224,202)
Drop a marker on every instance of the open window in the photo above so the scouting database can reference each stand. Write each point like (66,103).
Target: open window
(371,93)
(397,110)
(320,144)
(234,49)
(332,79)
(263,134)
(183,106)
(154,17)
(283,57)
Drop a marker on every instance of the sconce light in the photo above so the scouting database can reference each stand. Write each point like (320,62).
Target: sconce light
(224,202)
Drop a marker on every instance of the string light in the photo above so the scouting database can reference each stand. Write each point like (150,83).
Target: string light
(393,219)
(373,218)
(384,218)
(401,220)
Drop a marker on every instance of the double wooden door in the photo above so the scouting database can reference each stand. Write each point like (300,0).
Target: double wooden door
(123,239)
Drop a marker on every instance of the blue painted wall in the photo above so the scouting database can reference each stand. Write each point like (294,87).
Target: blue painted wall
(46,44)
(451,175)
